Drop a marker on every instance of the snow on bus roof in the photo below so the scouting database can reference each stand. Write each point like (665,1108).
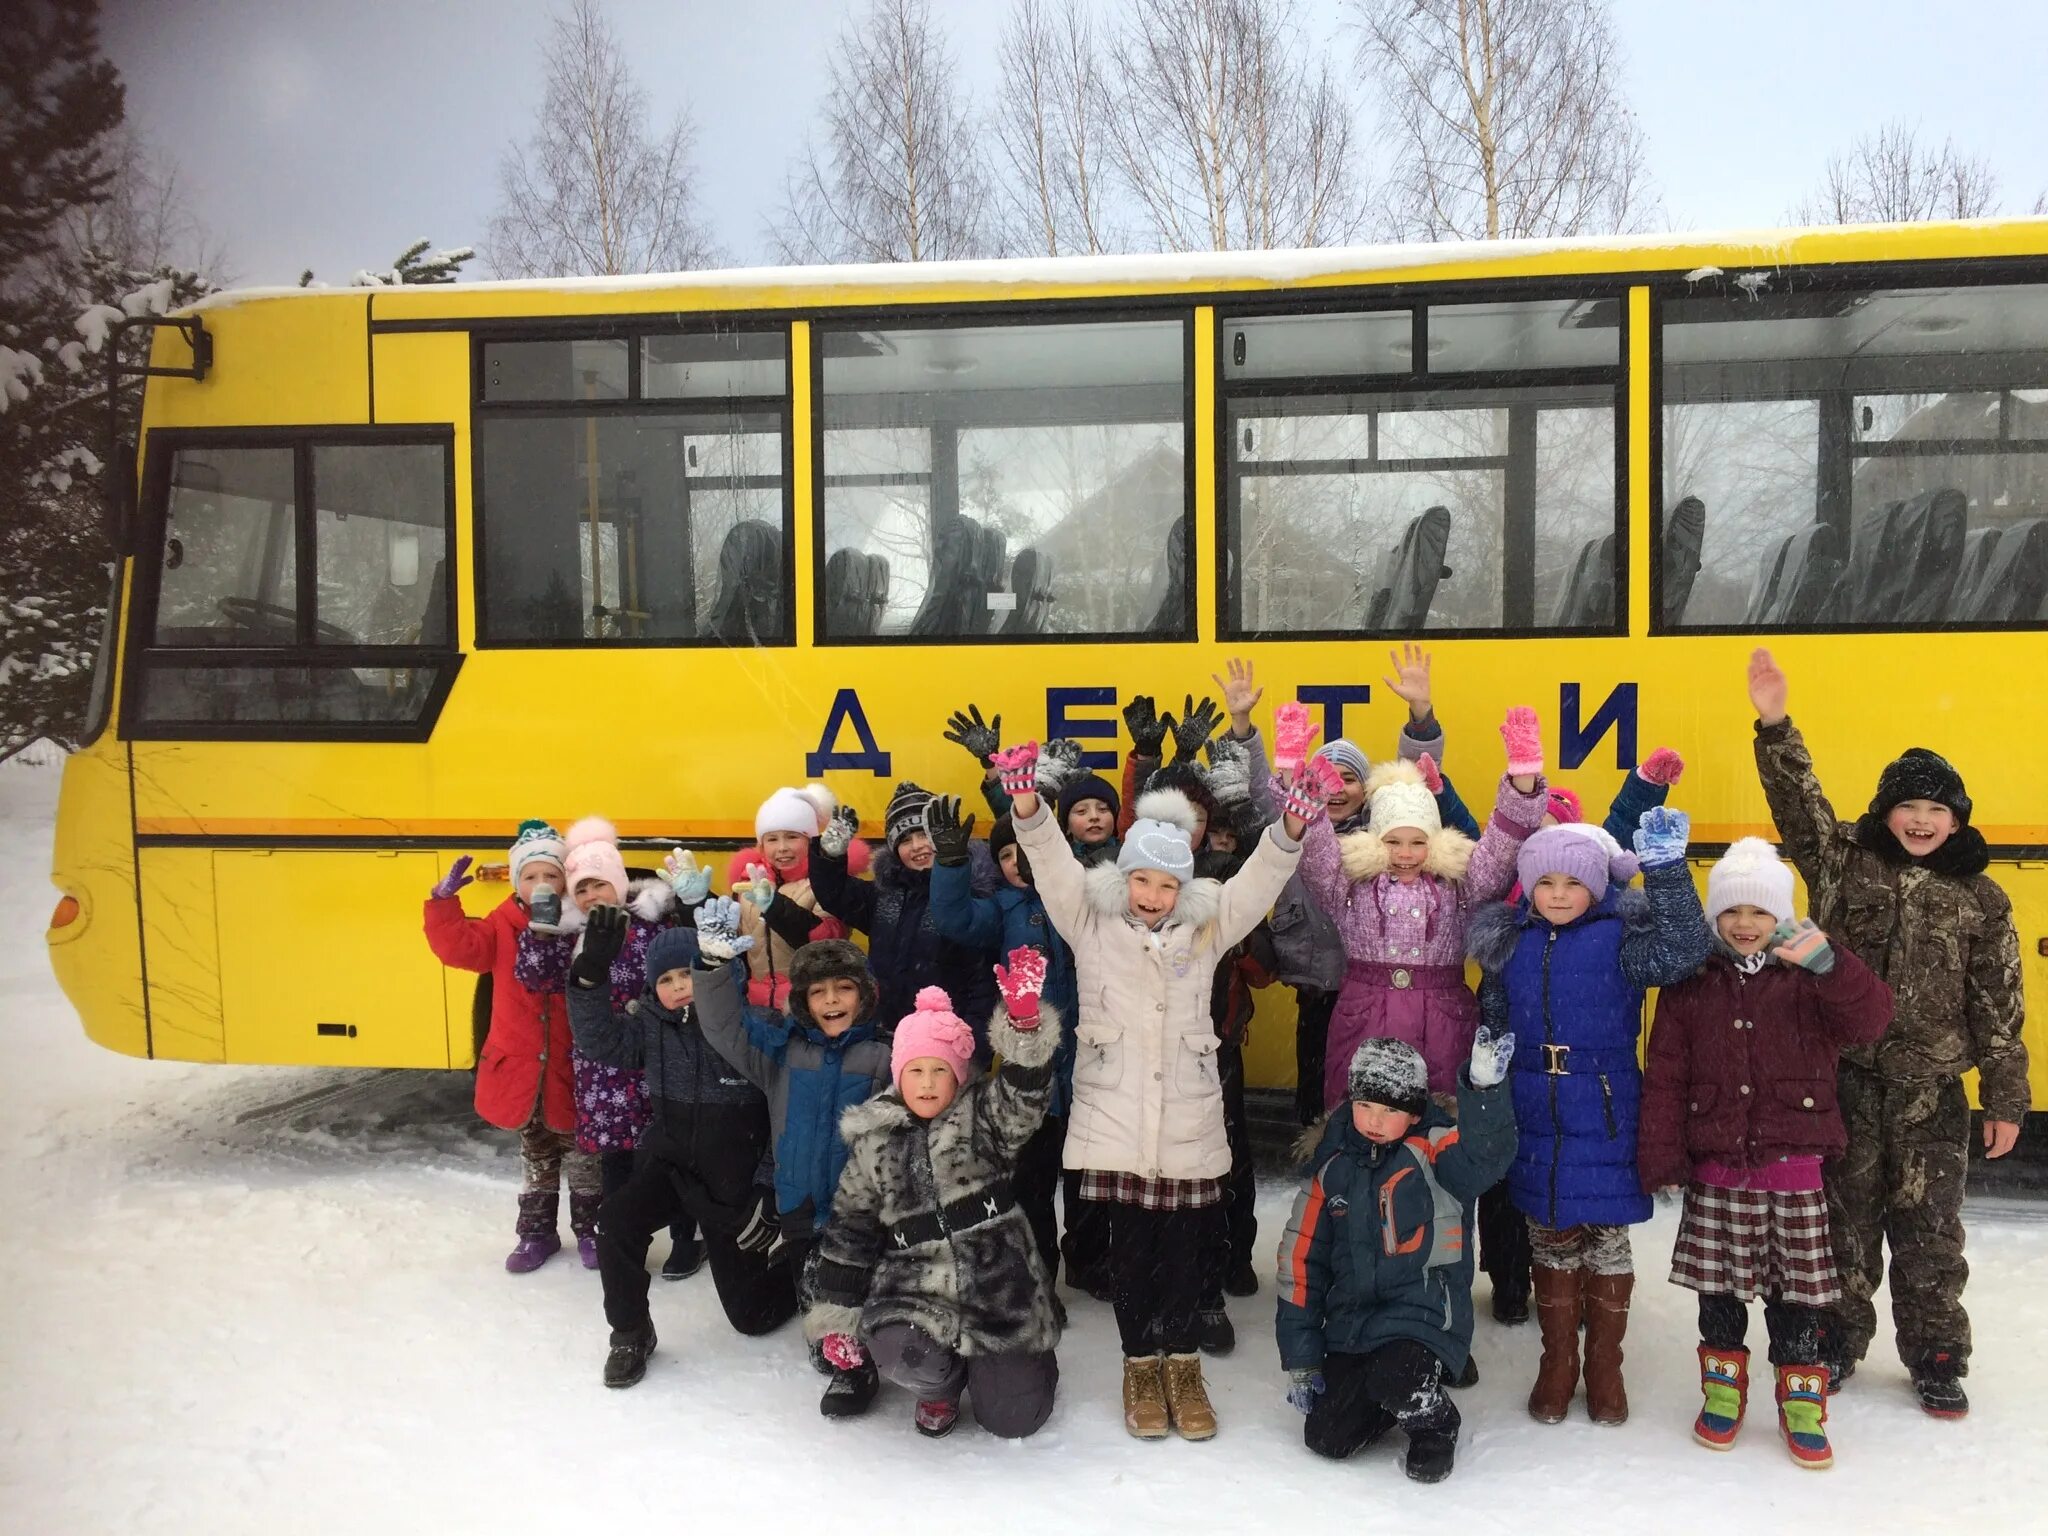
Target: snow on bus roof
(1759,247)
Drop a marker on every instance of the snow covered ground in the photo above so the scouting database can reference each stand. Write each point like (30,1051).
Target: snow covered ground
(220,1316)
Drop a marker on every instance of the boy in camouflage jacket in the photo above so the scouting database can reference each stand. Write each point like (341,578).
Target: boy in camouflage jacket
(1904,888)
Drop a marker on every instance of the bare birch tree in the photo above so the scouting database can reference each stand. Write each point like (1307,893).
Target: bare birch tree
(1051,131)
(1224,133)
(895,172)
(1509,118)
(1892,177)
(596,192)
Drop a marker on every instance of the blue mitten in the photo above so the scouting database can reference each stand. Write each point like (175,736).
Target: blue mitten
(1490,1057)
(718,930)
(1661,837)
(1304,1386)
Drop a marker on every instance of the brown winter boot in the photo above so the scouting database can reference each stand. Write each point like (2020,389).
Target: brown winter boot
(1144,1398)
(1606,1321)
(1187,1399)
(1558,1301)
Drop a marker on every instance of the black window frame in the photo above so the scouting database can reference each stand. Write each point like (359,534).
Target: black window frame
(1857,277)
(1014,316)
(1417,298)
(142,654)
(632,329)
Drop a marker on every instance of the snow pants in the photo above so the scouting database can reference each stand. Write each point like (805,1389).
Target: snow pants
(757,1295)
(1155,1260)
(617,1168)
(1232,1240)
(549,1157)
(1311,1044)
(1009,1395)
(1364,1396)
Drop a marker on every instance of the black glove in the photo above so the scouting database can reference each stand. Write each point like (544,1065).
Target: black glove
(762,1227)
(603,937)
(969,731)
(1196,725)
(1141,719)
(948,833)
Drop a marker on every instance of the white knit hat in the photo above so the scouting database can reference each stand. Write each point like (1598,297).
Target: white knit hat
(1750,874)
(1162,837)
(1399,798)
(802,811)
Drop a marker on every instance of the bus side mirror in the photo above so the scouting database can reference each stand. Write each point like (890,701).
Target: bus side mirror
(118,498)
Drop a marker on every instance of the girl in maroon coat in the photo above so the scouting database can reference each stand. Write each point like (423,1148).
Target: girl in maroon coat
(1739,1108)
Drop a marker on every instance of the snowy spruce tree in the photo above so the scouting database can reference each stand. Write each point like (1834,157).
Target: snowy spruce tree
(418,263)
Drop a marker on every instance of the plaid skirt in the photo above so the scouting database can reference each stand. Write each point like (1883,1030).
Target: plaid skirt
(1755,1242)
(1150,1194)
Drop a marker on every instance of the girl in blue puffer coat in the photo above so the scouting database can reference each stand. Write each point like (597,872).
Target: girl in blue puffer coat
(1566,969)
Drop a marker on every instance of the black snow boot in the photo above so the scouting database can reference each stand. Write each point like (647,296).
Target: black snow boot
(1469,1377)
(1217,1337)
(849,1393)
(627,1362)
(684,1260)
(1937,1377)
(1243,1280)
(1431,1453)
(1510,1308)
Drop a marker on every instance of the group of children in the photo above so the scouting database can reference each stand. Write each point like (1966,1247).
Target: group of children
(1054,1015)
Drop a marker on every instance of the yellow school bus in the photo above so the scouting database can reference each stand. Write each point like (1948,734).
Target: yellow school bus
(408,565)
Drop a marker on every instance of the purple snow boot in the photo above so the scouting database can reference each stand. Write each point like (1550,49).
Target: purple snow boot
(538,1240)
(583,1222)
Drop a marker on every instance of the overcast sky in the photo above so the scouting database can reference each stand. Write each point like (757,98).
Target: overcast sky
(330,135)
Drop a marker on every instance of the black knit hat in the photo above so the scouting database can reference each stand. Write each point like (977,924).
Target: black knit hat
(1389,1072)
(830,960)
(1918,774)
(1188,778)
(1090,786)
(906,812)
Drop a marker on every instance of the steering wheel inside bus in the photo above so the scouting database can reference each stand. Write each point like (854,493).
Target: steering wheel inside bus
(250,613)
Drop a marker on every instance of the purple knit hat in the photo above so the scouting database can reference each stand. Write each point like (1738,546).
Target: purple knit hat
(1579,849)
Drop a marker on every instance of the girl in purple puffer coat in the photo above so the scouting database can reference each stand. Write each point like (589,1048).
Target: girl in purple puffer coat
(1401,893)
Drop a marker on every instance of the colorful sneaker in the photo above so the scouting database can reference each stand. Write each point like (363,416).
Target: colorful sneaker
(936,1420)
(1803,1414)
(531,1253)
(1724,1379)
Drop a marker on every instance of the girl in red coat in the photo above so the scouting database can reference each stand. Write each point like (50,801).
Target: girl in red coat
(524,1078)
(1739,1108)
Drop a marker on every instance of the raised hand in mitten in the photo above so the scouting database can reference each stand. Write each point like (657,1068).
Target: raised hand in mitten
(1017,769)
(949,834)
(1804,945)
(1293,734)
(1141,719)
(1059,764)
(1523,733)
(1661,837)
(1490,1057)
(1432,776)
(1196,725)
(840,831)
(604,935)
(1662,766)
(1304,1386)
(686,877)
(758,889)
(718,930)
(843,1351)
(457,877)
(1021,982)
(977,736)
(1306,796)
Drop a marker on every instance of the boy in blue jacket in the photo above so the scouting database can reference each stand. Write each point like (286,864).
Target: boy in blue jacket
(1375,1309)
(815,1064)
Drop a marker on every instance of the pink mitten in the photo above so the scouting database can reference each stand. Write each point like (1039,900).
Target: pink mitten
(1307,794)
(1293,735)
(1662,766)
(1021,982)
(1432,776)
(1017,769)
(1524,738)
(843,1351)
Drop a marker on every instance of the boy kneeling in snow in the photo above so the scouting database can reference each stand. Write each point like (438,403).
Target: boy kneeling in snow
(1375,1266)
(928,1263)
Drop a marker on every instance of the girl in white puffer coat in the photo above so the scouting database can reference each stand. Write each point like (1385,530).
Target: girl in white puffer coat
(1146,1126)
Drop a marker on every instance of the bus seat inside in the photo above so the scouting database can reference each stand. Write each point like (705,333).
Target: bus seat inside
(1799,581)
(748,610)
(991,570)
(856,588)
(1409,573)
(434,617)
(1170,616)
(956,596)
(1586,600)
(1903,562)
(2013,580)
(1685,534)
(1031,580)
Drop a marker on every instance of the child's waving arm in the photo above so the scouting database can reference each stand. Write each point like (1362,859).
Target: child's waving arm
(1806,822)
(1517,809)
(1475,1154)
(455,937)
(1055,872)
(1674,940)
(1026,1035)
(839,892)
(719,1010)
(600,1033)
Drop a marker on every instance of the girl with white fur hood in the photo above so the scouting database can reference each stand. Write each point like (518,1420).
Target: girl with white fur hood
(1401,893)
(1146,1129)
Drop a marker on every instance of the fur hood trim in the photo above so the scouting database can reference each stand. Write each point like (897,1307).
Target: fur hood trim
(1170,806)
(886,1111)
(1491,935)
(1365,855)
(1028,1048)
(651,900)
(1311,1139)
(1107,891)
(824,1318)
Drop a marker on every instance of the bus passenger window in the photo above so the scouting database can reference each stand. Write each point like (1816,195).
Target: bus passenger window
(952,453)
(1864,456)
